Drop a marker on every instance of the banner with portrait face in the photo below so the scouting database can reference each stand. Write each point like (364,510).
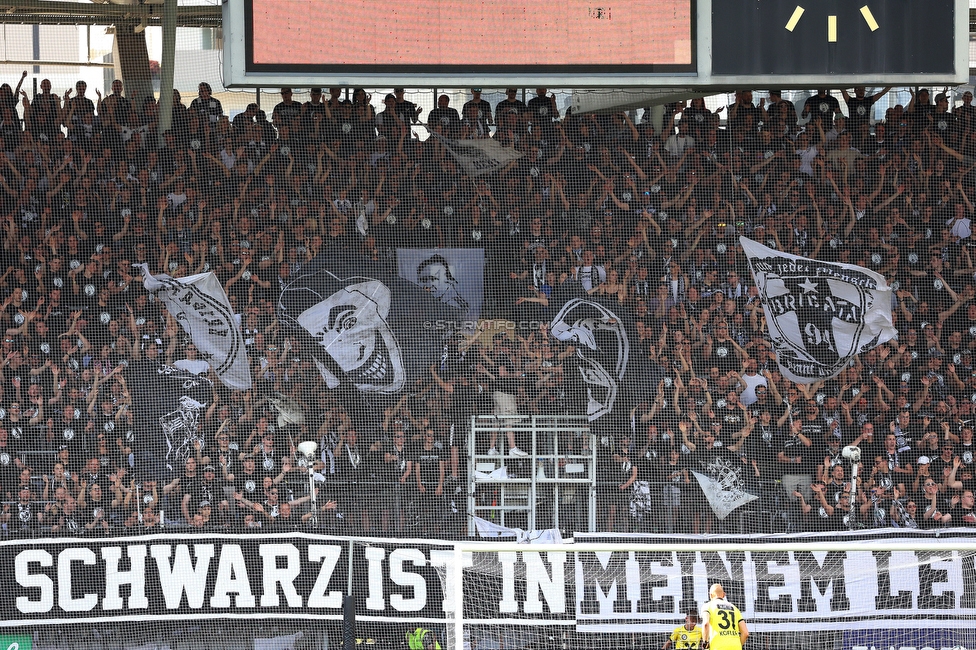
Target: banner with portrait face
(605,370)
(455,276)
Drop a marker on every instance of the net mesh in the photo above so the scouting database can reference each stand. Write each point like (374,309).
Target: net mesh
(631,597)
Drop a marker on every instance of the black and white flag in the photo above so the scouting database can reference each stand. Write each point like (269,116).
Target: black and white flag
(172,403)
(364,327)
(820,315)
(603,373)
(722,488)
(478,157)
(201,307)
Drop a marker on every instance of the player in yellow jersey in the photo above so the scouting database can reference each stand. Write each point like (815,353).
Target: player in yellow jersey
(687,636)
(723,627)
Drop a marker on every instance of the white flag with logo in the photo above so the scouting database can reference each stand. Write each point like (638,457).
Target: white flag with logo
(202,309)
(820,315)
(723,494)
(479,157)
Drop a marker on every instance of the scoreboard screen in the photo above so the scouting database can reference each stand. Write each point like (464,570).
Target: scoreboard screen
(685,46)
(463,35)
(831,37)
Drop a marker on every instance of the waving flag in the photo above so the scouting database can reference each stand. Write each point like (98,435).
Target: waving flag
(479,157)
(202,309)
(723,491)
(820,315)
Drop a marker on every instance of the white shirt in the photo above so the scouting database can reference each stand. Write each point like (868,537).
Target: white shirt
(676,144)
(748,396)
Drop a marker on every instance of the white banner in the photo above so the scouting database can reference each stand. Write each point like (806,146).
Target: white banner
(201,307)
(820,314)
(179,576)
(479,157)
(787,590)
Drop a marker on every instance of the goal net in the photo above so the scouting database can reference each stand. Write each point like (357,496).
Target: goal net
(857,596)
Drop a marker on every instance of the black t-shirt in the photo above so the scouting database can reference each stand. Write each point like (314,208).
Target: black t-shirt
(427,462)
(942,504)
(202,490)
(763,445)
(839,520)
(407,111)
(509,384)
(747,116)
(8,470)
(859,110)
(822,108)
(23,515)
(94,508)
(393,470)
(484,110)
(350,464)
(793,447)
(268,463)
(82,106)
(543,107)
(209,109)
(271,509)
(72,434)
(649,464)
(963,516)
(250,485)
(505,106)
(732,420)
(447,118)
(723,355)
(44,112)
(285,112)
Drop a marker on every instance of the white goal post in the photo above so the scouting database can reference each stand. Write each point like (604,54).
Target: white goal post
(858,595)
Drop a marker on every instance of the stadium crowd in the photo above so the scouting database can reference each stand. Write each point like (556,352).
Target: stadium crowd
(646,219)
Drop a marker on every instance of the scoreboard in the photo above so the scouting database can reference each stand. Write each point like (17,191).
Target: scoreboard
(833,37)
(595,43)
(456,36)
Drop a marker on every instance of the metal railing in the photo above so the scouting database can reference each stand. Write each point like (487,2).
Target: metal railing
(552,484)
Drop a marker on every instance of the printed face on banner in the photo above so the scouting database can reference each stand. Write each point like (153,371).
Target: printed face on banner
(351,327)
(434,275)
(602,350)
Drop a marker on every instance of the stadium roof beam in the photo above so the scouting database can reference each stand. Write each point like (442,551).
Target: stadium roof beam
(42,12)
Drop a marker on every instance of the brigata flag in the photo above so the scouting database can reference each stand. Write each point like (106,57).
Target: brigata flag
(202,309)
(479,157)
(820,314)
